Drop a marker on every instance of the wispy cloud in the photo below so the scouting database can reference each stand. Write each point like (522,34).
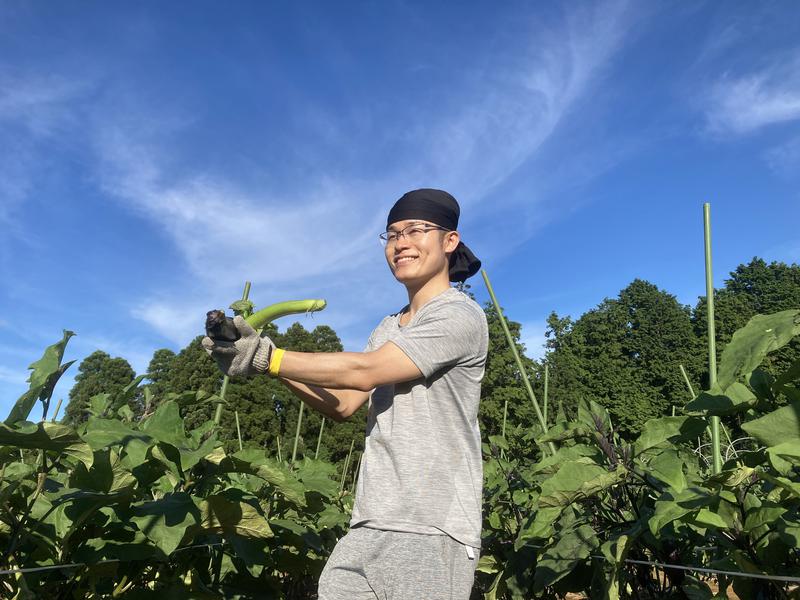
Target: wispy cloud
(743,104)
(12,376)
(33,109)
(41,104)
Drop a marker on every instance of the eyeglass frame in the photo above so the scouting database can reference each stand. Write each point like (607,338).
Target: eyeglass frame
(425,227)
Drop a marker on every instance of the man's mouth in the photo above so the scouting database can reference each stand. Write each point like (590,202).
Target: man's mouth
(404,260)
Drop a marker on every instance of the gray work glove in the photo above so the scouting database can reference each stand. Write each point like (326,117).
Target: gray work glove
(246,356)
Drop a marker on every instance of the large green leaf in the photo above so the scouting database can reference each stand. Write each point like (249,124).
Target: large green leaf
(767,514)
(255,462)
(102,433)
(751,343)
(571,548)
(224,513)
(46,436)
(591,414)
(672,429)
(779,426)
(165,521)
(674,505)
(566,431)
(736,398)
(576,480)
(538,526)
(317,476)
(166,425)
(552,462)
(46,373)
(667,466)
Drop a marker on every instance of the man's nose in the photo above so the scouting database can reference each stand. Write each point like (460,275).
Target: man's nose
(401,242)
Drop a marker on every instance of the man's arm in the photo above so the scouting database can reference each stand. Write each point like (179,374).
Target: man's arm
(353,371)
(335,404)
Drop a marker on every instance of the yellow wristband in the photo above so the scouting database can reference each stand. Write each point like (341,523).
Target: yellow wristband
(275,361)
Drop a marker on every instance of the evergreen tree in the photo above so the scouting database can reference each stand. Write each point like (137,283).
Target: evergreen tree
(158,372)
(754,288)
(624,354)
(97,374)
(502,380)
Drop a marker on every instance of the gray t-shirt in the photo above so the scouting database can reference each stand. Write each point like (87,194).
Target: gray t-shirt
(421,471)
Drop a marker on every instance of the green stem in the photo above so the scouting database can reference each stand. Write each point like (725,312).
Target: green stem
(515,353)
(238,429)
(223,389)
(319,439)
(712,346)
(280,458)
(346,465)
(358,468)
(688,384)
(55,414)
(297,432)
(544,398)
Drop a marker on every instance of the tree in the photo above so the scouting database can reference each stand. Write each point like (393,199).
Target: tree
(158,372)
(753,288)
(502,381)
(625,354)
(97,374)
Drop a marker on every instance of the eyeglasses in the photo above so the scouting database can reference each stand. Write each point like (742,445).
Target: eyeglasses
(413,233)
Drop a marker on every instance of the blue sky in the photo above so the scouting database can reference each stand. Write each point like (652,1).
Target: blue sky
(157,155)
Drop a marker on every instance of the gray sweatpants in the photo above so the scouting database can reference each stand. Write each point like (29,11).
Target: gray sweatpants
(391,565)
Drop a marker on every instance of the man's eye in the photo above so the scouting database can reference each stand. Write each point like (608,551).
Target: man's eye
(415,231)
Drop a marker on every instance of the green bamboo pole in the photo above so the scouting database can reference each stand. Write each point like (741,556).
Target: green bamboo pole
(278,439)
(514,352)
(544,399)
(712,346)
(238,429)
(728,437)
(319,439)
(218,413)
(297,432)
(688,383)
(358,468)
(55,414)
(346,465)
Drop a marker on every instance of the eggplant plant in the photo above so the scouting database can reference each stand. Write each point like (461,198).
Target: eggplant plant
(120,508)
(593,517)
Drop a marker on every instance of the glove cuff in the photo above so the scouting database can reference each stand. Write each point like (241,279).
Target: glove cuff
(261,357)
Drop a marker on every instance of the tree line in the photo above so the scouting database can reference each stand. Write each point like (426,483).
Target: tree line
(626,354)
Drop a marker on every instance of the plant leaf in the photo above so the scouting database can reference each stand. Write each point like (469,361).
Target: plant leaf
(672,429)
(777,427)
(750,344)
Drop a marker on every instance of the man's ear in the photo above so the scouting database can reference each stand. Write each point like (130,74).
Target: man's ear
(451,240)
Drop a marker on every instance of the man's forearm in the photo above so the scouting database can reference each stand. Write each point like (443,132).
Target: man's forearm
(335,404)
(332,370)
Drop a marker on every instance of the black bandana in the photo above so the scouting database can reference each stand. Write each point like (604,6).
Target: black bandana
(440,208)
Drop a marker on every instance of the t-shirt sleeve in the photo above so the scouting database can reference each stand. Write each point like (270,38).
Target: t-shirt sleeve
(449,335)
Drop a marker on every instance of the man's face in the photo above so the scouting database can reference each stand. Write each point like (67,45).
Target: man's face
(417,250)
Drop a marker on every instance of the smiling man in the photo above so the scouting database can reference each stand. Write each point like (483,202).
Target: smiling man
(416,523)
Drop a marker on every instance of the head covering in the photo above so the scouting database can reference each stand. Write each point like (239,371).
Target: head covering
(440,208)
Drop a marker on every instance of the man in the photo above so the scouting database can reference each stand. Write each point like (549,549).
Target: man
(416,522)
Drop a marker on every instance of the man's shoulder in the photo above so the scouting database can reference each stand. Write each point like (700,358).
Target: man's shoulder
(457,300)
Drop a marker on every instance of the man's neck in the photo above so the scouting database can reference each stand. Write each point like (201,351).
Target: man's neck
(417,297)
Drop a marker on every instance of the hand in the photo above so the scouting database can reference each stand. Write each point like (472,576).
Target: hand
(245,357)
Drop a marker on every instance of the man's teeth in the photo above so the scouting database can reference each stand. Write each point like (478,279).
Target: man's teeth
(405,259)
